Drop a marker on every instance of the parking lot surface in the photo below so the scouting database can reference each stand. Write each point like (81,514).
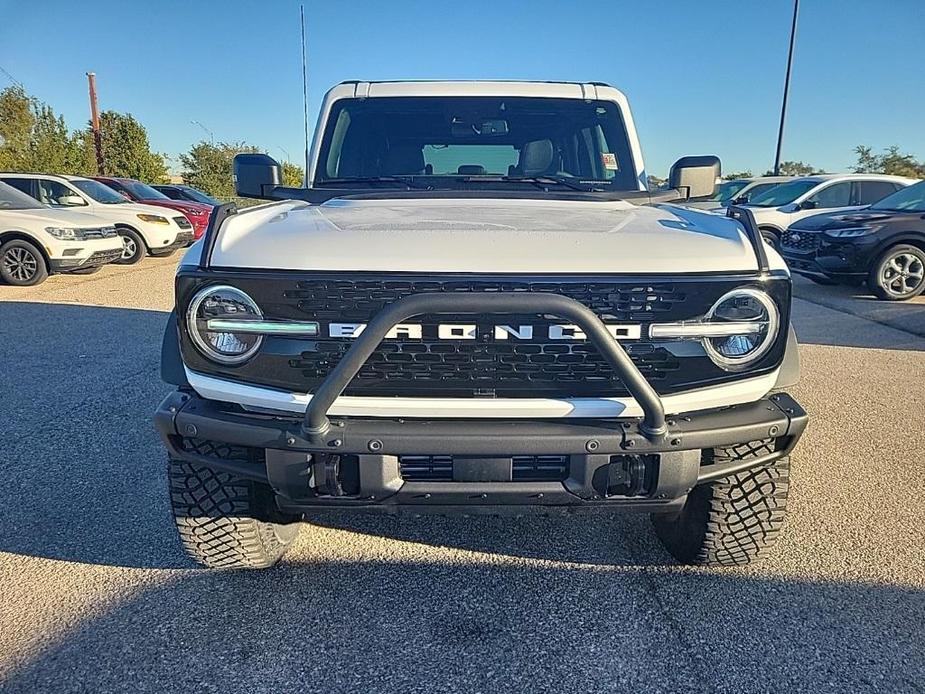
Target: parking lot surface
(98,597)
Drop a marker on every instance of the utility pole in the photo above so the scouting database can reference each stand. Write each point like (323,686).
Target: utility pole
(783,106)
(95,124)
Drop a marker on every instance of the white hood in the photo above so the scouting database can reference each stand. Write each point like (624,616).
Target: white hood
(483,236)
(65,218)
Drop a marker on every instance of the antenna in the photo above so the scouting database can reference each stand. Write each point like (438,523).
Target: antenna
(304,95)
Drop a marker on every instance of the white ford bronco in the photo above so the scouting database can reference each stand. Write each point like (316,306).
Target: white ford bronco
(475,306)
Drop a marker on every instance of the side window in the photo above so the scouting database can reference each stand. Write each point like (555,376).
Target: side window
(835,195)
(57,194)
(23,185)
(872,191)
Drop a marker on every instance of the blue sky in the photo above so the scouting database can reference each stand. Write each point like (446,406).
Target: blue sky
(703,77)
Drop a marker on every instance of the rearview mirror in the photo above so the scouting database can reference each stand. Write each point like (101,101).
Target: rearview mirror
(255,175)
(695,177)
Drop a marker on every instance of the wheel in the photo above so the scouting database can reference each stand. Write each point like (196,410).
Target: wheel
(225,521)
(898,274)
(133,247)
(22,264)
(87,270)
(731,521)
(771,238)
(819,279)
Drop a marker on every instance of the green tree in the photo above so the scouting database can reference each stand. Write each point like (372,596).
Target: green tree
(207,166)
(53,148)
(17,120)
(126,150)
(892,161)
(655,182)
(293,175)
(795,168)
(737,174)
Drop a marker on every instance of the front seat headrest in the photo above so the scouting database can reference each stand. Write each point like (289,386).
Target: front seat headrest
(404,159)
(536,157)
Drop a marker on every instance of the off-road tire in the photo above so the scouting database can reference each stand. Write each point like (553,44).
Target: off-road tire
(225,521)
(731,521)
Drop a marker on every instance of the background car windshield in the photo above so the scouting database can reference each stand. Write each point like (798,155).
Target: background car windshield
(199,196)
(12,199)
(143,191)
(911,199)
(98,191)
(453,141)
(727,190)
(783,194)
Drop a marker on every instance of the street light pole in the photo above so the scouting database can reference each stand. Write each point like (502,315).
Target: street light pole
(208,132)
(783,106)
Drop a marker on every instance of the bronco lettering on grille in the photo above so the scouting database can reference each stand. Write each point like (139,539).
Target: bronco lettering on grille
(460,331)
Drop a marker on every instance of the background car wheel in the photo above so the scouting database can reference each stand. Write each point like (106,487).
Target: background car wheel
(133,247)
(771,238)
(22,264)
(731,521)
(898,274)
(225,521)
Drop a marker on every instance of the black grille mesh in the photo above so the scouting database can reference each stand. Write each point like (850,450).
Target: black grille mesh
(800,241)
(524,468)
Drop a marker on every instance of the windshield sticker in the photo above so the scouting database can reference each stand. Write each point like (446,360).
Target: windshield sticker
(609,160)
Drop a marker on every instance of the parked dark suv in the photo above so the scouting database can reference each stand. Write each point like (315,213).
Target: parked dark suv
(883,244)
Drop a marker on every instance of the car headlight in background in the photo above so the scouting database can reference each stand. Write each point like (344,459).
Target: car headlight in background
(153,219)
(194,213)
(65,233)
(737,331)
(208,309)
(849,233)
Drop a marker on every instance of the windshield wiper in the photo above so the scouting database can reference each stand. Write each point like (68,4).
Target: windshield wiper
(407,181)
(545,181)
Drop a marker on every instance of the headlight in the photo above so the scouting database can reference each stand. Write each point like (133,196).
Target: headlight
(65,233)
(218,303)
(754,322)
(152,218)
(849,233)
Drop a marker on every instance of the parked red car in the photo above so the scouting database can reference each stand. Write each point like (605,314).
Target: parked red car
(196,212)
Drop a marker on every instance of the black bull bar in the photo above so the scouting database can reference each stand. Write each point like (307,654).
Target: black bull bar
(317,424)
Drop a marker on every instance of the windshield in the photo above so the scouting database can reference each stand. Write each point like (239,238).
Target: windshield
(199,196)
(783,194)
(12,199)
(99,192)
(911,199)
(727,190)
(477,143)
(141,191)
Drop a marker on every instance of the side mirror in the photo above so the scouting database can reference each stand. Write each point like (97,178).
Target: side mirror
(809,205)
(71,201)
(255,175)
(695,177)
(741,200)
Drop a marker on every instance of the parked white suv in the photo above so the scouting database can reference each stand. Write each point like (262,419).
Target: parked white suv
(737,191)
(143,228)
(779,207)
(36,241)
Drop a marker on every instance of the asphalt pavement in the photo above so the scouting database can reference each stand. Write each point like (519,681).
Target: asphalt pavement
(98,597)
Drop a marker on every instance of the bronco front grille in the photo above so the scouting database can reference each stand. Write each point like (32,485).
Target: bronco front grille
(537,366)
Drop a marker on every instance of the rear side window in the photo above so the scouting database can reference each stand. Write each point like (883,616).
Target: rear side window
(835,195)
(872,191)
(24,185)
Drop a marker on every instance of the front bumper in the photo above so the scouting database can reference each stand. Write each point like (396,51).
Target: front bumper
(608,464)
(833,258)
(95,259)
(184,239)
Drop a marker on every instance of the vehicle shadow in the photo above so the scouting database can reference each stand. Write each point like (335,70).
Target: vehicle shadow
(412,625)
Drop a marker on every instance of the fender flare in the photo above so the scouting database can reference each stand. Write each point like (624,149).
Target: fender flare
(172,370)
